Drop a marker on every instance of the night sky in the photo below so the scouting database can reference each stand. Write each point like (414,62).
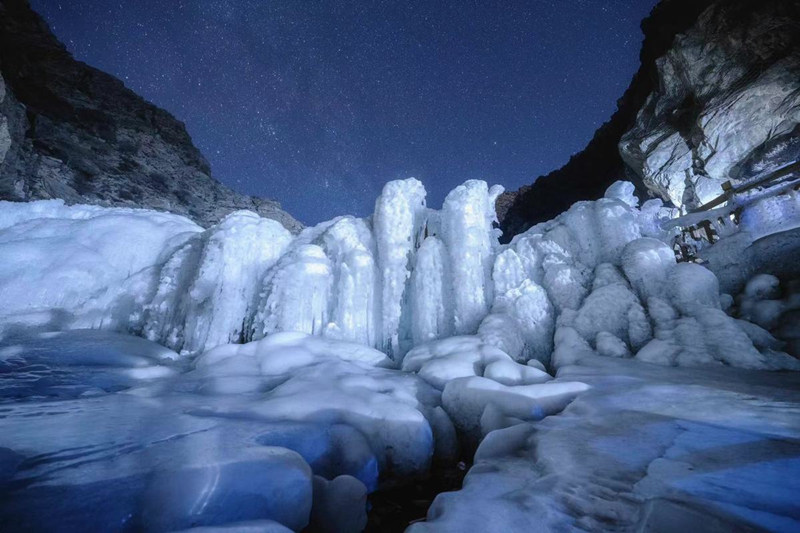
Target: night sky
(318,103)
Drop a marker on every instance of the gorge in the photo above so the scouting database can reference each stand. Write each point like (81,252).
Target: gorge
(176,356)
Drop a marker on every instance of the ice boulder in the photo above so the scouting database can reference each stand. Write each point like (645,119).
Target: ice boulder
(465,400)
(503,331)
(693,287)
(762,287)
(623,191)
(445,360)
(647,263)
(617,224)
(508,272)
(606,309)
(530,306)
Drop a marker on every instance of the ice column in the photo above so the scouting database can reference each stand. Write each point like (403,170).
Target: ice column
(467,217)
(397,224)
(237,253)
(354,310)
(431,293)
(296,293)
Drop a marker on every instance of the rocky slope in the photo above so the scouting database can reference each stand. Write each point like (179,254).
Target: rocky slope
(716,97)
(70,131)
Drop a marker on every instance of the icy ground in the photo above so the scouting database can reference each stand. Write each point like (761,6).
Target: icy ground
(157,376)
(646,448)
(102,432)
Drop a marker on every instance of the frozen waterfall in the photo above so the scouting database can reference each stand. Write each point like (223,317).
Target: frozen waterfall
(599,278)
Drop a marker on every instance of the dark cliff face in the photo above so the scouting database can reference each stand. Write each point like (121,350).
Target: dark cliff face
(70,131)
(588,173)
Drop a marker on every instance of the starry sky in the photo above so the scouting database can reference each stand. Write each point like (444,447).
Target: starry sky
(317,103)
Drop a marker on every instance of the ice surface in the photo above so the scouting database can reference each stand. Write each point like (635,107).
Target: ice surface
(78,363)
(120,456)
(644,448)
(236,438)
(253,526)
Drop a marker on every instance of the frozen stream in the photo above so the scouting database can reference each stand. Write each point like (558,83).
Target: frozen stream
(98,434)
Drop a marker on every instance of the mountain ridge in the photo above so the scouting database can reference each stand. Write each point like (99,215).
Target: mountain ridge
(71,131)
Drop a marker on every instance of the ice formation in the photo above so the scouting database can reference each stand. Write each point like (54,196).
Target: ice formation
(406,276)
(398,221)
(314,367)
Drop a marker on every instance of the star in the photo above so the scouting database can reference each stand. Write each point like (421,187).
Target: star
(287,99)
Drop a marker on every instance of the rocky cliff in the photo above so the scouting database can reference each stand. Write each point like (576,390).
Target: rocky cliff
(70,131)
(727,102)
(716,98)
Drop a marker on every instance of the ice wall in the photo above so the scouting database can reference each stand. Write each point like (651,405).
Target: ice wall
(597,280)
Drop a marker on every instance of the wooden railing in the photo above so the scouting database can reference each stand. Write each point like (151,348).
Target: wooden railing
(730,190)
(694,231)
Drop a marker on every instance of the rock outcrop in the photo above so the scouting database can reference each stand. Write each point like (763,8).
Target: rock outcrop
(70,131)
(717,98)
(727,103)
